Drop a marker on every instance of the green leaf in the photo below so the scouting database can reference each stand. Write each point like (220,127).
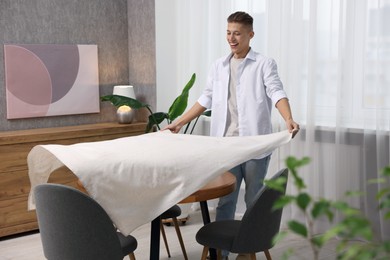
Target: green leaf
(382,193)
(357,252)
(321,208)
(297,228)
(207,113)
(354,193)
(118,101)
(278,237)
(278,184)
(355,226)
(340,205)
(293,163)
(318,241)
(345,208)
(180,104)
(331,233)
(376,181)
(155,119)
(351,253)
(303,200)
(286,254)
(282,201)
(386,171)
(385,204)
(386,246)
(350,212)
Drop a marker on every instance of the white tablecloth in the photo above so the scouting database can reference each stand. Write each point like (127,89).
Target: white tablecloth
(137,178)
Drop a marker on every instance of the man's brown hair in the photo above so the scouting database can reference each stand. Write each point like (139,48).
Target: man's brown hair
(242,18)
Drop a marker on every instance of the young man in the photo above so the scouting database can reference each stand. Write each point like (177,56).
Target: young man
(241,90)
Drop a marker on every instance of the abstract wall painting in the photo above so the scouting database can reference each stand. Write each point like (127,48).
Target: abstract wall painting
(50,80)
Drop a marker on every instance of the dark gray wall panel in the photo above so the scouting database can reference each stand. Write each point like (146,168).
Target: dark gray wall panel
(142,51)
(100,22)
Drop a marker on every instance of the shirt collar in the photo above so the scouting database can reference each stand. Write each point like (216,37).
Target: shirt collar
(251,56)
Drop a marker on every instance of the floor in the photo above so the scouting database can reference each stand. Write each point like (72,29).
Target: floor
(28,247)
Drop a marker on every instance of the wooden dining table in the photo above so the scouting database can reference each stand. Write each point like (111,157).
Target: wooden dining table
(219,187)
(135,179)
(222,185)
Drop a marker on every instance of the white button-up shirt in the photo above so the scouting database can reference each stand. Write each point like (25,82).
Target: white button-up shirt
(258,89)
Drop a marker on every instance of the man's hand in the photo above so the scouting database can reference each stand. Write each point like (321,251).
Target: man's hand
(174,128)
(195,111)
(292,127)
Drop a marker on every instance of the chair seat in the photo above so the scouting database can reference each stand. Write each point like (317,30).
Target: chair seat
(254,232)
(128,244)
(172,212)
(218,235)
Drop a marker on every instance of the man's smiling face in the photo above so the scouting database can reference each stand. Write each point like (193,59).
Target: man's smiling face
(238,37)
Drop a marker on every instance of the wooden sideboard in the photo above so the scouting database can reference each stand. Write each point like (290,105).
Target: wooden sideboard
(14,180)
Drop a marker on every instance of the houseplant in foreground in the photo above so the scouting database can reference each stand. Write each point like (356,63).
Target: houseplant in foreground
(353,226)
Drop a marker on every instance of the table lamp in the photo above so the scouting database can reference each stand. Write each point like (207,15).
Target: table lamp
(124,114)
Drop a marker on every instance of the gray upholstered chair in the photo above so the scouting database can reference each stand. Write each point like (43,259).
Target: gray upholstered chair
(73,226)
(253,233)
(171,213)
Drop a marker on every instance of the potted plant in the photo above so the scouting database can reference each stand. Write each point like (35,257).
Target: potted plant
(177,108)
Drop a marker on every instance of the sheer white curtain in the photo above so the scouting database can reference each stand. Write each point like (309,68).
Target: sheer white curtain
(334,60)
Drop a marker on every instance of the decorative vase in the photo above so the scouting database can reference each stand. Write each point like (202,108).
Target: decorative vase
(125,115)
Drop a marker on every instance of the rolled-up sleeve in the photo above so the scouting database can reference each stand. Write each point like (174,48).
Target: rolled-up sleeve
(205,100)
(272,82)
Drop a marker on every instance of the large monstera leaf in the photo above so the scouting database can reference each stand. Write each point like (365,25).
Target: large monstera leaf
(156,119)
(177,108)
(180,104)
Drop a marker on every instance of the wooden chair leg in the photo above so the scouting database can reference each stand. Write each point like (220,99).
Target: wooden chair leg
(177,228)
(164,238)
(253,256)
(132,256)
(267,255)
(219,254)
(205,252)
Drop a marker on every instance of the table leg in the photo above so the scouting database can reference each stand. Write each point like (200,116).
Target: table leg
(155,239)
(206,219)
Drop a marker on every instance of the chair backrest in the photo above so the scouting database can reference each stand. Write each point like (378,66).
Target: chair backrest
(73,226)
(260,223)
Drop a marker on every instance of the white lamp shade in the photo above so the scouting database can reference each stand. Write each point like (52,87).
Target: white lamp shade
(124,90)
